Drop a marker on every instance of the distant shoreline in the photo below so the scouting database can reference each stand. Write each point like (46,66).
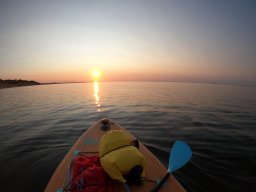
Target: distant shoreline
(60,83)
(21,83)
(16,83)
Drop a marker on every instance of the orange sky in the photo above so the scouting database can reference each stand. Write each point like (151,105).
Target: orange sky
(128,41)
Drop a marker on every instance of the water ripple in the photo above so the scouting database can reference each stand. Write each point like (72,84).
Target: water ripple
(39,125)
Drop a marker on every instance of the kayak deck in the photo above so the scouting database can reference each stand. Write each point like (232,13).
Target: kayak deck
(89,142)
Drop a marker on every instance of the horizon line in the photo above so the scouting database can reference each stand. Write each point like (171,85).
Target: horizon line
(152,81)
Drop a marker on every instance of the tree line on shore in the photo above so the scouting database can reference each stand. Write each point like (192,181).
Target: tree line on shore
(16,83)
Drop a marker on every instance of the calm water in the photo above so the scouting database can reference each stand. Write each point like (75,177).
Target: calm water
(39,124)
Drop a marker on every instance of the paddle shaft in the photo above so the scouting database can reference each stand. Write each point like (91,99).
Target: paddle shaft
(160,184)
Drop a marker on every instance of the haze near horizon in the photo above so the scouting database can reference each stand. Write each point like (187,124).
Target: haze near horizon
(194,41)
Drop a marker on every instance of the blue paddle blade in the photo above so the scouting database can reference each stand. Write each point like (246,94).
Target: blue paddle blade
(180,155)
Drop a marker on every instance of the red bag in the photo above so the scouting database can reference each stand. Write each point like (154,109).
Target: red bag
(88,175)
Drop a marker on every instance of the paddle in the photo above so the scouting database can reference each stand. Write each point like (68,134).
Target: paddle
(180,155)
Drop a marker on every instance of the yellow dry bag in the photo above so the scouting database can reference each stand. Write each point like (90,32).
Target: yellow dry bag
(117,156)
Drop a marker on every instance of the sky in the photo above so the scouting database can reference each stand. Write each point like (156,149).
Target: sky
(135,40)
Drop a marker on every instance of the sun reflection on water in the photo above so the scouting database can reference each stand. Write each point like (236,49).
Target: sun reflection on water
(96,94)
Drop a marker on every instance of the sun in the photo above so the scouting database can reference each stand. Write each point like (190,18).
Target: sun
(96,74)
